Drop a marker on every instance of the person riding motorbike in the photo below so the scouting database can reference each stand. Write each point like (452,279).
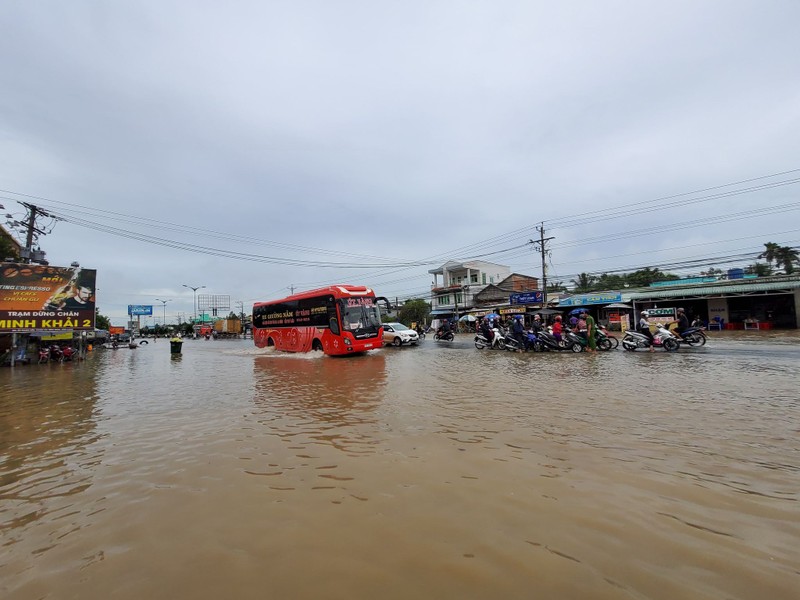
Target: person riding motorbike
(444,328)
(486,330)
(682,324)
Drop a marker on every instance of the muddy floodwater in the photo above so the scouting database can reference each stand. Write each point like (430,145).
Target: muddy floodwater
(438,471)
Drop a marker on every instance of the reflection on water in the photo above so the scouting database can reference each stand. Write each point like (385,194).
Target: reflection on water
(312,399)
(432,472)
(47,431)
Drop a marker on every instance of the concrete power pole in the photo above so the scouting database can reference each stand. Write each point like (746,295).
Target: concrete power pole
(541,245)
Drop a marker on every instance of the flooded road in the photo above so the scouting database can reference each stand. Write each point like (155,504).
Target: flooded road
(439,471)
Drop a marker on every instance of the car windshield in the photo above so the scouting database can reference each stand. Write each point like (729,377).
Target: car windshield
(398,326)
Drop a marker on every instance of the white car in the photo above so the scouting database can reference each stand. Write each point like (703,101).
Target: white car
(398,334)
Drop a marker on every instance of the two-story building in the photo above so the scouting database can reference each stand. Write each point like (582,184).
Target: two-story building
(464,287)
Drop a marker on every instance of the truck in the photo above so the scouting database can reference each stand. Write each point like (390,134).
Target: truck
(227,328)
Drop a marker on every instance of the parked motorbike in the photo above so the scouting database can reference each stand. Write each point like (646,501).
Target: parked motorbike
(545,341)
(574,339)
(67,353)
(512,344)
(605,341)
(662,337)
(56,354)
(44,354)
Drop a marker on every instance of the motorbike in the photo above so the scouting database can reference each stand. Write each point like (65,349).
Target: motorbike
(512,344)
(447,336)
(56,354)
(662,337)
(497,342)
(693,336)
(605,341)
(572,337)
(545,341)
(44,355)
(67,353)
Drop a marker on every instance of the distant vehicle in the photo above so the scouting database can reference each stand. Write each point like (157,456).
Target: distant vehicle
(339,320)
(398,334)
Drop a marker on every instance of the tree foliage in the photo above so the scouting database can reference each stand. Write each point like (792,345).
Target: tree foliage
(414,311)
(101,321)
(782,256)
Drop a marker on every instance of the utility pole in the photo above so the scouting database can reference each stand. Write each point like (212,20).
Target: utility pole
(29,255)
(541,245)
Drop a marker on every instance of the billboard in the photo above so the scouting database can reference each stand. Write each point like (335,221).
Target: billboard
(46,298)
(140,309)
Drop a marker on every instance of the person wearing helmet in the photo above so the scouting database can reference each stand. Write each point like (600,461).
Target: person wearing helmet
(644,329)
(517,332)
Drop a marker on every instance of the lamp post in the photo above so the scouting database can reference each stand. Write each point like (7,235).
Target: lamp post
(164,304)
(194,289)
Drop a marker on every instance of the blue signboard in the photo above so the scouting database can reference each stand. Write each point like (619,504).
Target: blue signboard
(586,299)
(527,298)
(140,309)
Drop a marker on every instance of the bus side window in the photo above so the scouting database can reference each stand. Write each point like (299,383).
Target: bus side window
(334,326)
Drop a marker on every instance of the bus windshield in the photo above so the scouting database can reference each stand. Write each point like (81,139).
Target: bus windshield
(361,320)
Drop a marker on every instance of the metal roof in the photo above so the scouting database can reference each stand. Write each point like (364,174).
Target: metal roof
(741,289)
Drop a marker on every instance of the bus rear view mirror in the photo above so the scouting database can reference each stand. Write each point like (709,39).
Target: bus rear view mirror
(334,326)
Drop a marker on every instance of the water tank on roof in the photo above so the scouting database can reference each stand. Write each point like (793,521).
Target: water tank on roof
(735,273)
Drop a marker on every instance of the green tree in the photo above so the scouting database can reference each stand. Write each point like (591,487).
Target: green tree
(646,276)
(759,269)
(770,252)
(414,311)
(610,282)
(584,282)
(786,257)
(7,249)
(556,287)
(101,321)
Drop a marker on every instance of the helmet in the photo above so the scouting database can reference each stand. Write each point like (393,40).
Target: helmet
(644,313)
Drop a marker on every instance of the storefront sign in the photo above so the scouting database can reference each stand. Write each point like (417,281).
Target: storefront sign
(527,298)
(44,297)
(586,299)
(661,312)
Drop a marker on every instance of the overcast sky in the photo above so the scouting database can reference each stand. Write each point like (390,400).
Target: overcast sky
(369,135)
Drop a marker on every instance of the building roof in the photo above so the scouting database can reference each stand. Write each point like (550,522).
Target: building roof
(786,285)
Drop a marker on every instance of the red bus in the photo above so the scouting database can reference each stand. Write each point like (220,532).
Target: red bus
(340,319)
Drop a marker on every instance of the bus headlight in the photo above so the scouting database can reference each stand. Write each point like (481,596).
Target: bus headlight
(347,342)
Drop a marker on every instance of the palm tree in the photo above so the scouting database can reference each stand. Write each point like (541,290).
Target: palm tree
(584,282)
(770,252)
(786,256)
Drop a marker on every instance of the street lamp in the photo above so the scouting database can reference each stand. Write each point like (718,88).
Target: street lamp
(194,289)
(164,304)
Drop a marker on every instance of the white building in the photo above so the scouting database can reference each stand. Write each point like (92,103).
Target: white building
(456,283)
